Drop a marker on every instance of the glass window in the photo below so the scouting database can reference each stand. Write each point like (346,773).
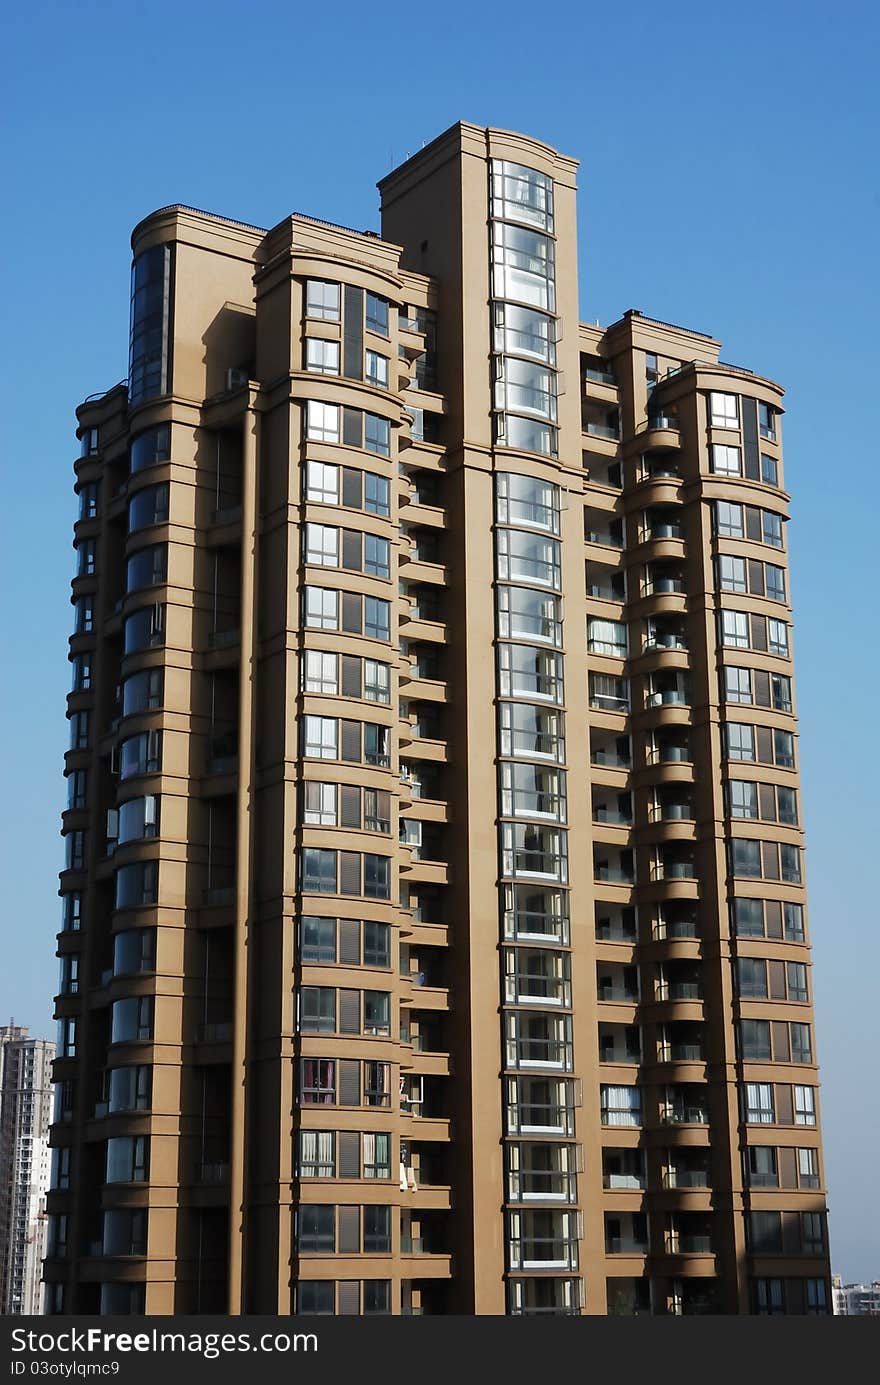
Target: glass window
(82,672)
(137,885)
(808,1168)
(322,357)
(765,1232)
(607,637)
(377,1296)
(762,1166)
(742,798)
(377,370)
(723,410)
(377,1083)
(767,421)
(521,194)
(769,470)
(796,976)
(317,1154)
(319,804)
(769,1296)
(759,1107)
(377,314)
(377,877)
(524,613)
(149,448)
(322,483)
(817,1297)
(138,817)
(754,1041)
(804,1105)
(377,681)
(321,608)
(147,568)
(141,754)
(793,922)
(771,528)
(728,520)
(79,730)
(751,976)
(322,421)
(85,555)
(377,944)
(528,557)
(149,506)
(377,435)
(131,1019)
(316,1229)
(376,1155)
(130,1088)
(318,1081)
(523,266)
(316,1297)
(150,337)
(377,1012)
(735,629)
(737,684)
(620,1105)
(801,1043)
(530,671)
(320,738)
(377,1230)
(377,745)
(143,691)
(524,331)
(323,300)
(71,912)
(526,500)
(745,858)
(377,494)
(377,556)
(77,789)
(726,461)
(525,387)
(317,1009)
(318,871)
(775,582)
(780,685)
(143,629)
(322,545)
(740,741)
(320,672)
(790,862)
(526,434)
(377,618)
(786,806)
(75,851)
(127,1158)
(317,939)
(88,500)
(778,637)
(732,573)
(748,916)
(84,615)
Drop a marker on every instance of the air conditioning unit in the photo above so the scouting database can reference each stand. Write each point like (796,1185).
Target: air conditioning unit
(236,378)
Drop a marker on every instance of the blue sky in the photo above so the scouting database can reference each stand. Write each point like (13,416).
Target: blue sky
(728,182)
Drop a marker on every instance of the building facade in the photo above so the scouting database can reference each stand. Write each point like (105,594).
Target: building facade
(434,933)
(856,1300)
(25,1114)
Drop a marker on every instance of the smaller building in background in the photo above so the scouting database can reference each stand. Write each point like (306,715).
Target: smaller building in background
(856,1300)
(25,1112)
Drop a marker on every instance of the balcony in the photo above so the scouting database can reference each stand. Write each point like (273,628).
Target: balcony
(623,1169)
(686,1179)
(615,925)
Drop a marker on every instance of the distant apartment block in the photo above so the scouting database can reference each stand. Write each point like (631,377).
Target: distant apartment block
(856,1300)
(25,1115)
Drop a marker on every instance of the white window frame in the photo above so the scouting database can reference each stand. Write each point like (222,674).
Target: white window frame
(321,672)
(322,545)
(320,738)
(322,356)
(321,608)
(322,421)
(726,460)
(376,370)
(322,483)
(723,410)
(734,629)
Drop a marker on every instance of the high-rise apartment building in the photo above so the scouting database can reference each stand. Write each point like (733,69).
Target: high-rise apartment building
(434,932)
(25,1113)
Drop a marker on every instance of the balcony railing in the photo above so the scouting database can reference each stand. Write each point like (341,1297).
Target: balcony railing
(621,994)
(542,1253)
(602,430)
(680,1053)
(610,759)
(665,421)
(684,1115)
(601,377)
(625,1245)
(614,874)
(688,1244)
(633,1181)
(664,531)
(613,816)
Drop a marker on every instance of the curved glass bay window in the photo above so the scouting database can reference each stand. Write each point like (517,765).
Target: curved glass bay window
(526,500)
(149,369)
(522,194)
